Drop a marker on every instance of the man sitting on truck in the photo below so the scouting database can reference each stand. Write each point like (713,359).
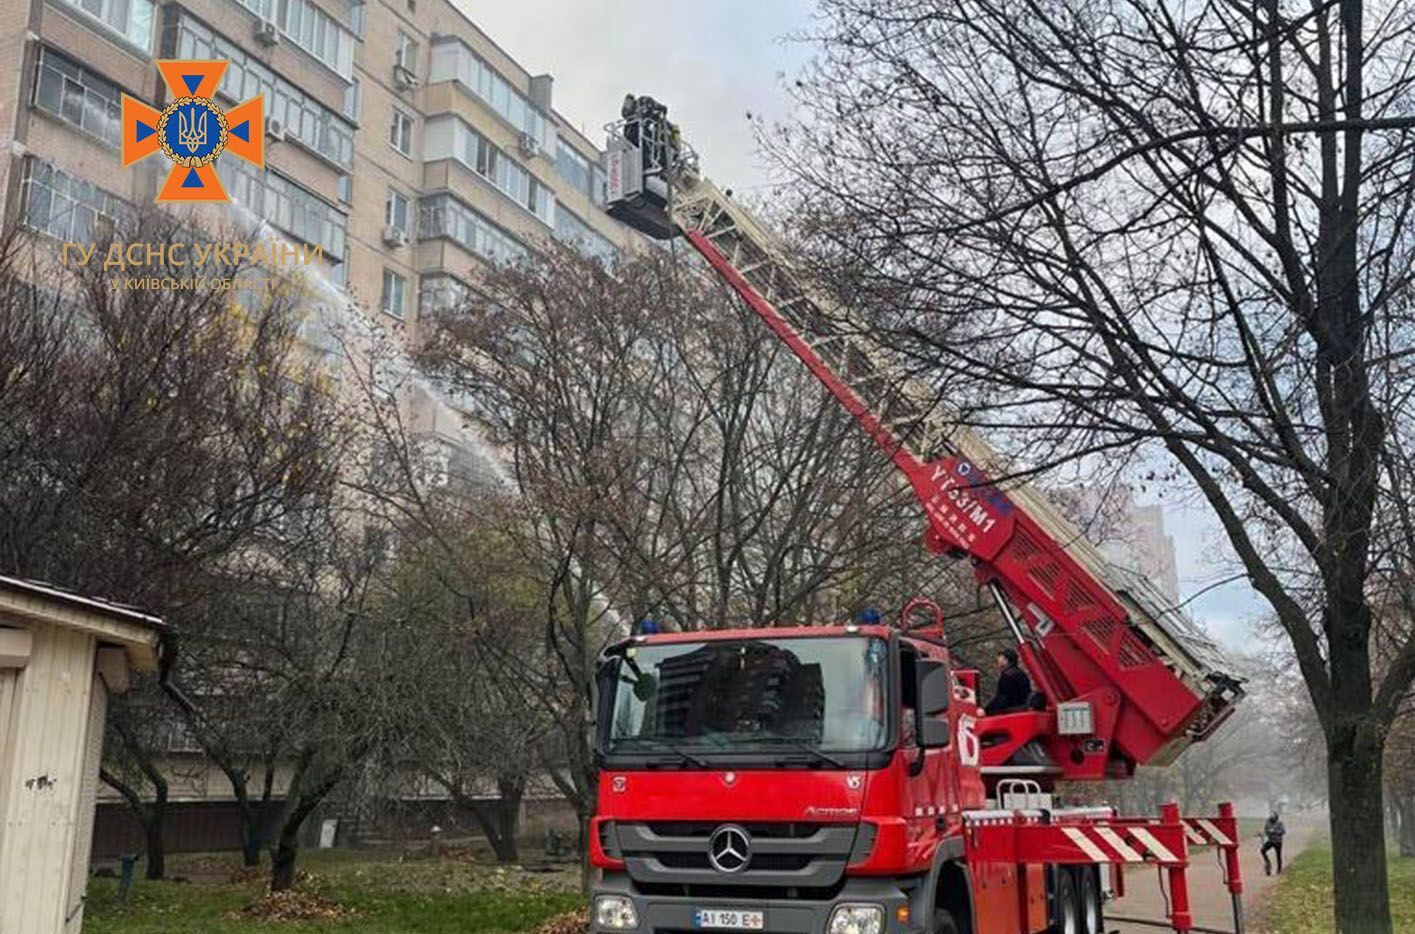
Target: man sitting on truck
(1014,688)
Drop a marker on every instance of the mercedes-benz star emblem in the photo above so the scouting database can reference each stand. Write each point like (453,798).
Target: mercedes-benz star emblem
(729,848)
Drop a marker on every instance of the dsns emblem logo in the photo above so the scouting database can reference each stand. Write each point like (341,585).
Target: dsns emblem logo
(192,131)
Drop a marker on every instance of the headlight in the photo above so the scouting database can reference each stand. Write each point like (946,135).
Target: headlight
(856,919)
(617,913)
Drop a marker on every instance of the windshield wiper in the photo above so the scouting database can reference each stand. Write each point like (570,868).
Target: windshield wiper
(668,747)
(807,748)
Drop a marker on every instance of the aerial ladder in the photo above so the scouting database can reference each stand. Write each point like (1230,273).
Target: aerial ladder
(1127,678)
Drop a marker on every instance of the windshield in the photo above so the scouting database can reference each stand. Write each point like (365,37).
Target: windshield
(825,694)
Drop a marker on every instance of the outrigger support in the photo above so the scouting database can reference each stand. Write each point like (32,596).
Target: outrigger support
(1095,836)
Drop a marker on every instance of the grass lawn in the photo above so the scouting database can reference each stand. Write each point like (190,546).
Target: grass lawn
(1303,900)
(372,893)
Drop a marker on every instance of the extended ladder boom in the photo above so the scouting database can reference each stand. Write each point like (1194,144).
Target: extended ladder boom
(1129,679)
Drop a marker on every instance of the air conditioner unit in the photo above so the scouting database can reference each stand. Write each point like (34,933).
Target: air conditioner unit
(275,129)
(530,146)
(395,236)
(404,78)
(267,33)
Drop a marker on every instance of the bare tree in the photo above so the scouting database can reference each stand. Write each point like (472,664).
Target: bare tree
(670,464)
(461,715)
(146,437)
(277,664)
(1177,237)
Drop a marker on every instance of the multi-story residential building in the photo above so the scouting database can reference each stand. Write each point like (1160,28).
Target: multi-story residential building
(399,137)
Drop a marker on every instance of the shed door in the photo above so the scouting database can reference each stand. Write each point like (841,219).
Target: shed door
(88,802)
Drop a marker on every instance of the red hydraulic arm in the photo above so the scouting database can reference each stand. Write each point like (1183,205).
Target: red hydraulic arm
(1127,679)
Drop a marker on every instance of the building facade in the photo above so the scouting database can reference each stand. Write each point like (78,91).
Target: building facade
(399,138)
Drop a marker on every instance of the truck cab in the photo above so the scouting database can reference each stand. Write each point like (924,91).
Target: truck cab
(791,780)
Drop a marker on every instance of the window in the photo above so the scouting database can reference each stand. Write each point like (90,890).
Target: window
(351,100)
(395,210)
(439,293)
(445,216)
(540,201)
(453,60)
(129,19)
(358,17)
(573,167)
(753,696)
(346,188)
(69,208)
(582,173)
(312,30)
(449,137)
(394,287)
(400,132)
(306,120)
(405,52)
(576,232)
(302,214)
(76,95)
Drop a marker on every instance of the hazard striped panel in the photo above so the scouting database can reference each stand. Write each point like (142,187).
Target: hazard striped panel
(1125,841)
(1211,831)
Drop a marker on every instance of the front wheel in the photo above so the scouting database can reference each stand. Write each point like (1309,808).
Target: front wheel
(943,922)
(1068,908)
(1092,913)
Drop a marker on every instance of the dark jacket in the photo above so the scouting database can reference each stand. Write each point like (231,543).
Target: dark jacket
(1013,690)
(1273,830)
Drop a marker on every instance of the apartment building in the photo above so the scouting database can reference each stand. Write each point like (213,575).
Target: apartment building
(399,137)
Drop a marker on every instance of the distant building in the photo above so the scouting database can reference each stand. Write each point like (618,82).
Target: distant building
(1129,534)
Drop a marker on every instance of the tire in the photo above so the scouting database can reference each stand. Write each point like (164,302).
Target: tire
(1068,904)
(943,922)
(1092,910)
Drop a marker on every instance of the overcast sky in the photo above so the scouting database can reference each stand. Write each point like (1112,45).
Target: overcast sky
(712,63)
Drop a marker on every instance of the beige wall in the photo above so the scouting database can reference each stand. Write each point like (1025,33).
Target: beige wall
(42,775)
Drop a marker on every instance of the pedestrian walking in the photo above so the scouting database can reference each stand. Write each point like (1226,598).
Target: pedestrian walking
(1273,832)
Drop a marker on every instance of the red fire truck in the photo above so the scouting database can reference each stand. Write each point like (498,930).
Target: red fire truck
(845,779)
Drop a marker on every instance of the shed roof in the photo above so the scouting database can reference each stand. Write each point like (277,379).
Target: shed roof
(137,632)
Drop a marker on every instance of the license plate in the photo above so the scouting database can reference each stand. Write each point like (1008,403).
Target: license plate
(729,919)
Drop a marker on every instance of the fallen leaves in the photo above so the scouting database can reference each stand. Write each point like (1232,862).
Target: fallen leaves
(294,905)
(572,922)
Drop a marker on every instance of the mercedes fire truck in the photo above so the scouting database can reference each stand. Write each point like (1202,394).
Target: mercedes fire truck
(844,779)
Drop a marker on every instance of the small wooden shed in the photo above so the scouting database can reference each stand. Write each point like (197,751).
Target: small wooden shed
(61,657)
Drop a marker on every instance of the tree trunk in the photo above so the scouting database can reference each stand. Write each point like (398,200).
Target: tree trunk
(507,820)
(253,835)
(287,847)
(282,864)
(583,835)
(1354,777)
(499,821)
(151,816)
(1405,822)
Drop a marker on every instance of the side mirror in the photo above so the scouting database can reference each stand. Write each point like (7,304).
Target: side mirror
(645,687)
(934,733)
(935,687)
(935,693)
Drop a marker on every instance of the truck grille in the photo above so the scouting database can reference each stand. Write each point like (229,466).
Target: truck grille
(797,860)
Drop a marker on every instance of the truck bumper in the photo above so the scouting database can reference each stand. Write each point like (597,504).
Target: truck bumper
(673,914)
